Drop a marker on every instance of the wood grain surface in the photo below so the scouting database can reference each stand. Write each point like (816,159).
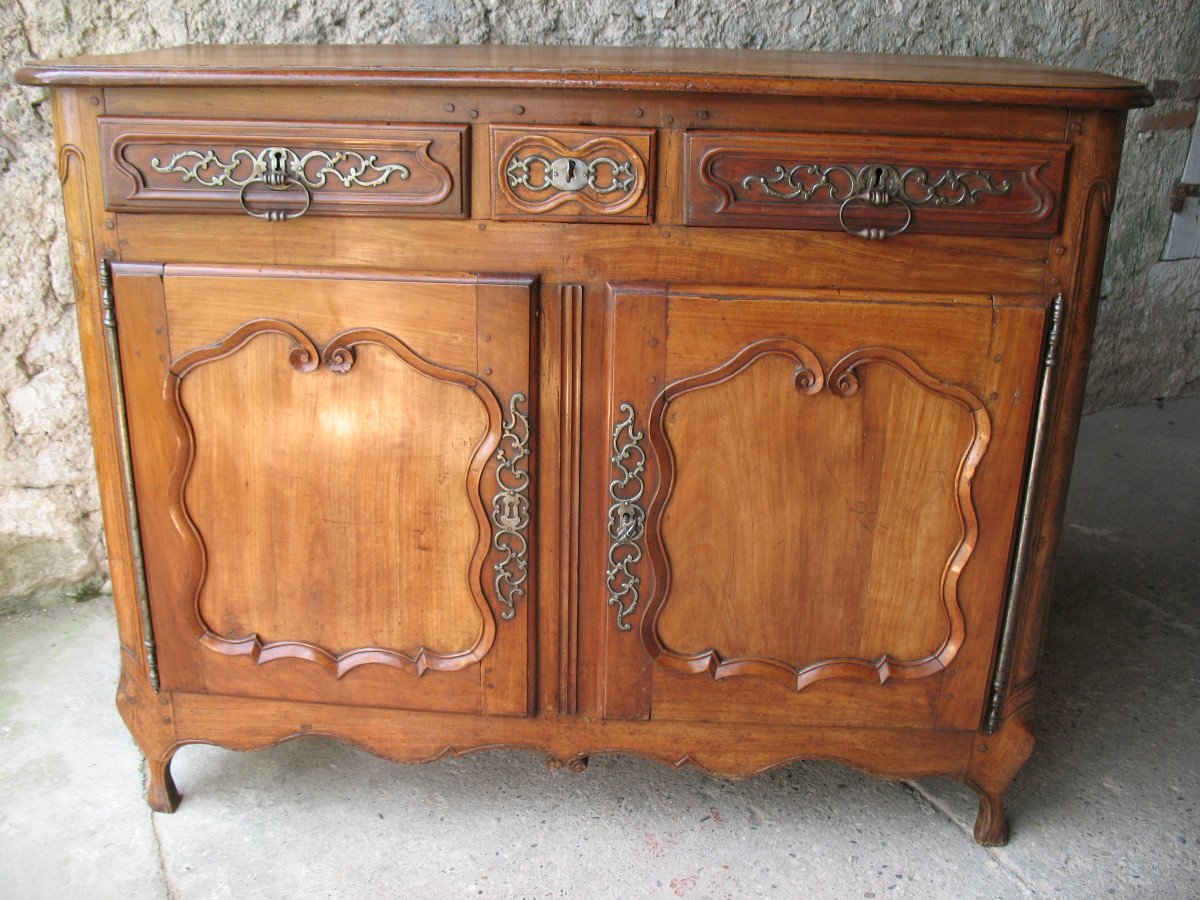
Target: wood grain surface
(786,73)
(836,431)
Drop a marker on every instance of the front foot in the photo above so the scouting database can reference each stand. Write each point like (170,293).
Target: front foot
(991,824)
(151,720)
(162,796)
(995,761)
(577,764)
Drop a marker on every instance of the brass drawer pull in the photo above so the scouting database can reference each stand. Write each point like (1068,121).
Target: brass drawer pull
(276,215)
(274,167)
(878,200)
(878,187)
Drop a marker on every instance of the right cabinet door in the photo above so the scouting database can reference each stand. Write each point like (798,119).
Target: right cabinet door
(810,501)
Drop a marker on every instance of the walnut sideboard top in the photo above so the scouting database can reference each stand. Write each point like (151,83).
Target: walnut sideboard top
(712,406)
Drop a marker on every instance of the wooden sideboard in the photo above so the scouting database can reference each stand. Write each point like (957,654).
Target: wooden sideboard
(716,407)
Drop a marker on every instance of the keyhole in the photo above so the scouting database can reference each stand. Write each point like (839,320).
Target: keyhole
(625,527)
(568,174)
(510,511)
(628,522)
(276,167)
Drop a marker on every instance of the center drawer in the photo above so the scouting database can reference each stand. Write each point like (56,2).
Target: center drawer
(873,186)
(555,174)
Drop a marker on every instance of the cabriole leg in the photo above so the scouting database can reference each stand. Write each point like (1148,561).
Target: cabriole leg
(991,824)
(995,761)
(151,720)
(162,795)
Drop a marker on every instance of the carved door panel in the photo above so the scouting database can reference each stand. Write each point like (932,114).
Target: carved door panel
(332,471)
(810,501)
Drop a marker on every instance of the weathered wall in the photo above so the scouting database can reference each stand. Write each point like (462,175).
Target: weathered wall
(1147,341)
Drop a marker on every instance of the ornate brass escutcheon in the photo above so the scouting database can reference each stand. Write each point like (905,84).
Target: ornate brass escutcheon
(626,518)
(569,174)
(276,159)
(280,169)
(508,510)
(626,521)
(878,186)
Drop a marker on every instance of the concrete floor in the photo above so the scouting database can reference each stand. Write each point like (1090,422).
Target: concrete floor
(1109,805)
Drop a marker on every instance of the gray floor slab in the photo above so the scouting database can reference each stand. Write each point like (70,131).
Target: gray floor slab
(72,821)
(1109,805)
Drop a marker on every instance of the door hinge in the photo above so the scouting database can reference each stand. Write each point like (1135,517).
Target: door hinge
(1026,526)
(117,380)
(1181,191)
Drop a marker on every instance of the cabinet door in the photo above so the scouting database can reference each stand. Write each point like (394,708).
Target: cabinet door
(333,480)
(810,501)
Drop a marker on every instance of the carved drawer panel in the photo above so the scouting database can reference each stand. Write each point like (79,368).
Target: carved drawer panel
(281,170)
(873,187)
(572,174)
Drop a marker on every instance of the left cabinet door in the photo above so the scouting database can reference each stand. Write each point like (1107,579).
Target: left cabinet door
(332,470)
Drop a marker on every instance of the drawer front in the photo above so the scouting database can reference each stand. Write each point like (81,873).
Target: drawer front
(572,174)
(280,170)
(873,187)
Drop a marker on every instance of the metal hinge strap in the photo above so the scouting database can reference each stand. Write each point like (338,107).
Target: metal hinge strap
(1026,528)
(107,304)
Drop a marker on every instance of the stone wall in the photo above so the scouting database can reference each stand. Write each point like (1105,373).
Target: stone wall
(50,545)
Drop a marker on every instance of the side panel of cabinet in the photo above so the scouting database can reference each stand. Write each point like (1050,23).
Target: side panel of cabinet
(810,502)
(333,482)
